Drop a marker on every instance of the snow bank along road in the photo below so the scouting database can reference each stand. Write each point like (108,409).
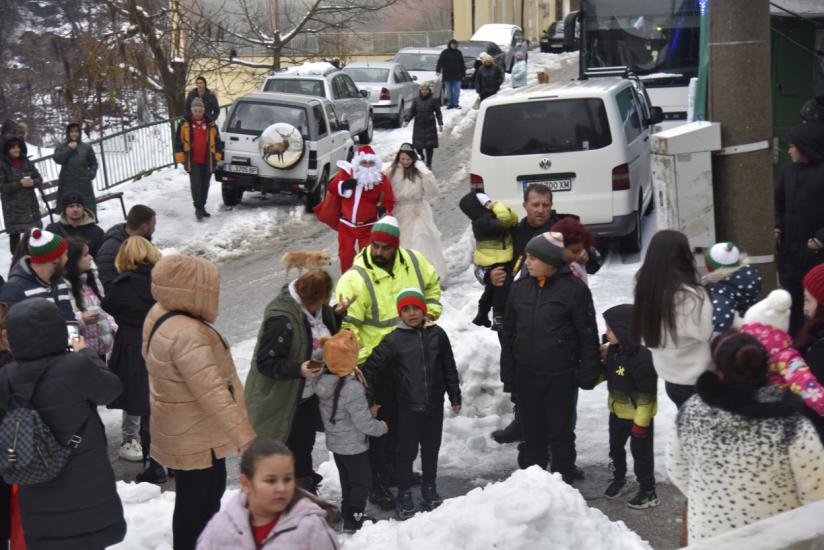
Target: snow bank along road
(248,242)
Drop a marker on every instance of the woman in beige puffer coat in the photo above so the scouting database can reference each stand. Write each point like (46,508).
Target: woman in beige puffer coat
(198,413)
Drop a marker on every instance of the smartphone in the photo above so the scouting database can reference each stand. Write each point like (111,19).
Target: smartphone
(74,332)
(314,364)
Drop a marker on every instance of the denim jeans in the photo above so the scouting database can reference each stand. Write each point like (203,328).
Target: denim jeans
(453,91)
(130,427)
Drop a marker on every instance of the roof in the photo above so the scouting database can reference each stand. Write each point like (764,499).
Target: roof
(494,26)
(373,65)
(419,50)
(321,68)
(275,97)
(596,87)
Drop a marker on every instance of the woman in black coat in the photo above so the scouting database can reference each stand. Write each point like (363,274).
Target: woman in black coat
(426,110)
(79,509)
(129,301)
(488,77)
(799,216)
(18,179)
(208,97)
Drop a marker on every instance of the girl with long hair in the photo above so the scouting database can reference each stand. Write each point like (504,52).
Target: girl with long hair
(673,314)
(96,326)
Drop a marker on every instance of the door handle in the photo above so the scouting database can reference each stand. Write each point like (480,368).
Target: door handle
(646,138)
(234,139)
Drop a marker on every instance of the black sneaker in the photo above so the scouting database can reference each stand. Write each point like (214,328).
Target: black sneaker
(615,487)
(406,506)
(578,473)
(205,214)
(510,434)
(199,215)
(382,497)
(644,499)
(430,497)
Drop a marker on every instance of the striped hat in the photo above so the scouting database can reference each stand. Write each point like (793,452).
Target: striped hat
(547,247)
(411,297)
(722,255)
(45,246)
(387,231)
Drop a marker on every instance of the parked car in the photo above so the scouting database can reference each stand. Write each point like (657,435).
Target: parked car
(391,88)
(281,143)
(510,38)
(324,80)
(587,140)
(471,51)
(562,35)
(421,63)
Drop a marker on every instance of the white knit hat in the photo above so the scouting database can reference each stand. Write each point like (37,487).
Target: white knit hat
(773,311)
(483,198)
(722,255)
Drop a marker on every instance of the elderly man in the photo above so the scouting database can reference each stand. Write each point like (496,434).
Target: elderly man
(199,148)
(380,272)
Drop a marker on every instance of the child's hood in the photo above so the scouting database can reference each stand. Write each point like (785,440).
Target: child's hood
(618,319)
(773,339)
(472,207)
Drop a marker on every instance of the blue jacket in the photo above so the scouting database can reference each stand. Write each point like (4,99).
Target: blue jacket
(732,291)
(519,74)
(23,283)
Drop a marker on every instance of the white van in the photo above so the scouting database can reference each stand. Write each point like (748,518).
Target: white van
(587,140)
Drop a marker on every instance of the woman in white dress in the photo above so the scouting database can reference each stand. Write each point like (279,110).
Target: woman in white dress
(412,183)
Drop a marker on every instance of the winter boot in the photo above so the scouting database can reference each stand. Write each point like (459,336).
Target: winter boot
(154,473)
(382,497)
(512,433)
(429,495)
(353,521)
(406,506)
(646,498)
(578,473)
(615,487)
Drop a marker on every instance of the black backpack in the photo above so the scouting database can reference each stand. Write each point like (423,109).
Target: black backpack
(30,452)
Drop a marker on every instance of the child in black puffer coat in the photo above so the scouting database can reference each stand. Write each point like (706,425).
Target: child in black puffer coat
(732,283)
(418,356)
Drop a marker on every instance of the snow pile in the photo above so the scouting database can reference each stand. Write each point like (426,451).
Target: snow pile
(532,509)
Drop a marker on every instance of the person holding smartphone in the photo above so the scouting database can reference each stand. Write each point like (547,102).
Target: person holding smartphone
(280,387)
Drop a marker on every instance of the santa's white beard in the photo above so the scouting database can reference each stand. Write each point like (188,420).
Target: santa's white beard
(368,176)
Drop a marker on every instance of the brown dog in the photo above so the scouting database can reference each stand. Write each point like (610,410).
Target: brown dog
(312,259)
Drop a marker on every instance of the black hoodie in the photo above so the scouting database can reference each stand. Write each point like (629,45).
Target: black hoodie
(631,377)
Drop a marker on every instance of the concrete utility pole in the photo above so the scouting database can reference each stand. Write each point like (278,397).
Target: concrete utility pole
(740,99)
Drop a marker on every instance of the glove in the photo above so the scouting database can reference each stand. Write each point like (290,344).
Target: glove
(381,212)
(638,431)
(349,185)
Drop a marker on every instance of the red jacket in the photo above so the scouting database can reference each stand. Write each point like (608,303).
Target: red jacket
(362,208)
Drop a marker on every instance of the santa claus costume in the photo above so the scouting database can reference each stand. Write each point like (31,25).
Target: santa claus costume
(362,187)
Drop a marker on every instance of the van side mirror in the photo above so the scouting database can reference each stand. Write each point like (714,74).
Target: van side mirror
(656,116)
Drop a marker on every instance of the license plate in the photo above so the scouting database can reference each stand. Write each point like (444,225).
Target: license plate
(554,185)
(240,169)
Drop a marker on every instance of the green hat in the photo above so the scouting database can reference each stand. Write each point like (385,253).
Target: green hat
(387,231)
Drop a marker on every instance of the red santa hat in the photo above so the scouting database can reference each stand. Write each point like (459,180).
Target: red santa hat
(365,152)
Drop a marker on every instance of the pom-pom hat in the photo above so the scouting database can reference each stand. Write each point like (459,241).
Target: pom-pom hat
(387,231)
(722,255)
(773,311)
(547,247)
(45,246)
(814,283)
(411,297)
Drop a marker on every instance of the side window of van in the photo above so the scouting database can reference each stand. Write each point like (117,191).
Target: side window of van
(630,118)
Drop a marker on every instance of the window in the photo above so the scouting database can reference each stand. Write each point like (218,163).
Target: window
(406,76)
(367,74)
(418,61)
(333,119)
(399,76)
(338,88)
(540,127)
(493,50)
(303,86)
(630,119)
(351,89)
(320,120)
(249,117)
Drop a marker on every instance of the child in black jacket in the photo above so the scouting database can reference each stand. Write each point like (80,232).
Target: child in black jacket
(633,390)
(419,358)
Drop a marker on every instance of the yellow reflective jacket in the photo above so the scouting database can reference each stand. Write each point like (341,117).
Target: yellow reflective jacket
(374,314)
(489,252)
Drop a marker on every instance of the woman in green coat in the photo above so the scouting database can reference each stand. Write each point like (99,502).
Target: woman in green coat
(280,396)
(79,167)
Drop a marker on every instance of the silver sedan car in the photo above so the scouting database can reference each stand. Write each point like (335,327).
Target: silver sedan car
(391,88)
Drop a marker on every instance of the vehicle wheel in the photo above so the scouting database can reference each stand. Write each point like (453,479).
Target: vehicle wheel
(397,122)
(316,196)
(631,244)
(366,136)
(231,195)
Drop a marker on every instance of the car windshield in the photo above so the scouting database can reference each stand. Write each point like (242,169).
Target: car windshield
(367,74)
(417,61)
(305,86)
(251,117)
(552,126)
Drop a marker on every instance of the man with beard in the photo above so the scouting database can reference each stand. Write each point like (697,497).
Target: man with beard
(40,274)
(380,272)
(361,188)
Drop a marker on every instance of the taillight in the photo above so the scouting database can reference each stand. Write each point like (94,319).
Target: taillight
(476,183)
(385,94)
(620,178)
(313,159)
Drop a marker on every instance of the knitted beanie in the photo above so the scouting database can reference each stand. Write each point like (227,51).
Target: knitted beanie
(814,283)
(483,198)
(387,231)
(72,198)
(547,247)
(773,311)
(411,297)
(45,246)
(722,255)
